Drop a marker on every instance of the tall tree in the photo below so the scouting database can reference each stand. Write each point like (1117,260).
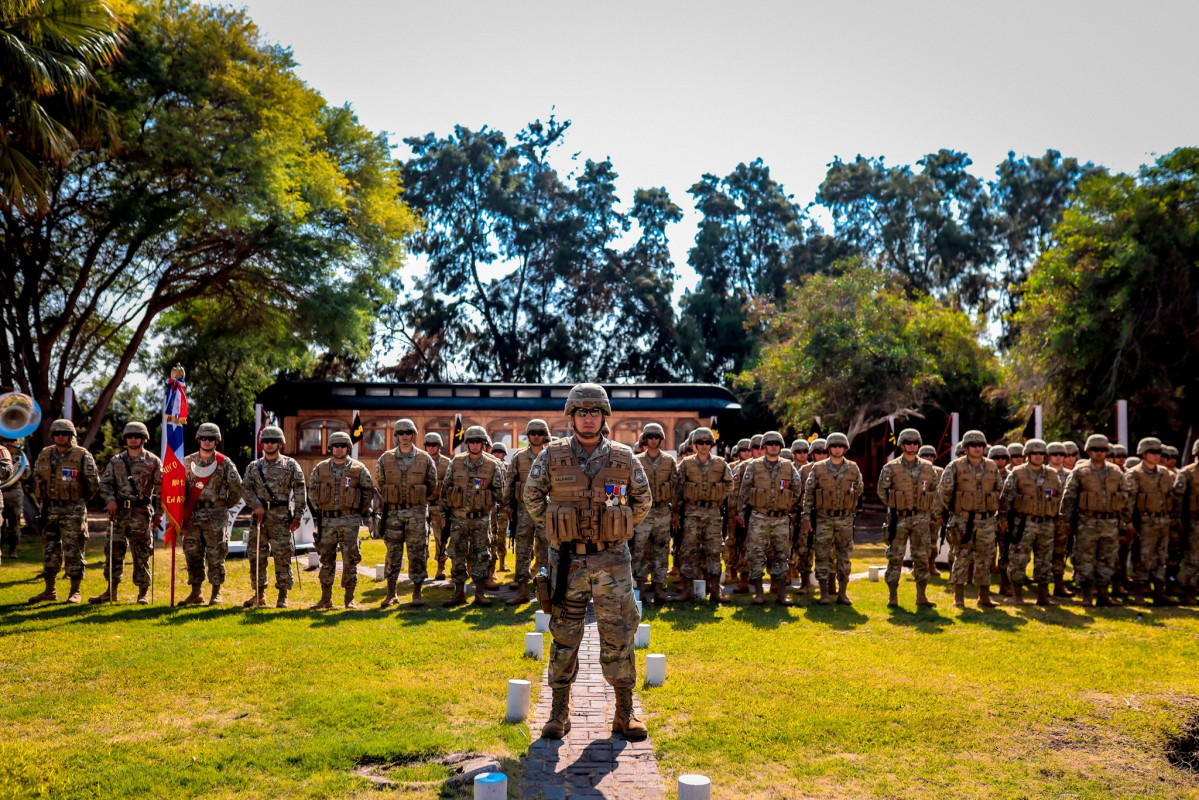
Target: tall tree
(933,228)
(233,181)
(48,50)
(1110,308)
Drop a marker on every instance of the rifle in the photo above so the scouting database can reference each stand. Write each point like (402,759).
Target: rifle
(968,536)
(512,525)
(316,521)
(381,527)
(812,530)
(944,531)
(1073,533)
(445,529)
(1017,534)
(892,524)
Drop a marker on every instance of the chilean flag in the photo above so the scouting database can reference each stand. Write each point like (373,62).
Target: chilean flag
(174,482)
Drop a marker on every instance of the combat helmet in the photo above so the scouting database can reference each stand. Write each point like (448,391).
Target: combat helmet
(800,446)
(1132,462)
(927,451)
(135,429)
(500,448)
(909,434)
(537,426)
(208,429)
(404,425)
(62,426)
(1119,450)
(476,432)
(997,451)
(835,439)
(742,444)
(653,429)
(1071,447)
(755,441)
(820,443)
(974,437)
(340,437)
(1169,451)
(1096,441)
(1148,443)
(1035,446)
(1054,449)
(272,433)
(587,395)
(772,437)
(1015,450)
(434,438)
(702,435)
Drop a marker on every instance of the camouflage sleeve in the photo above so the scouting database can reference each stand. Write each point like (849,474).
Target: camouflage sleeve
(497,487)
(234,483)
(1128,487)
(1008,495)
(377,472)
(945,490)
(250,486)
(91,476)
(797,480)
(510,476)
(884,484)
(430,480)
(366,487)
(809,497)
(156,488)
(108,489)
(299,489)
(744,482)
(1070,495)
(312,477)
(536,489)
(641,498)
(6,463)
(677,490)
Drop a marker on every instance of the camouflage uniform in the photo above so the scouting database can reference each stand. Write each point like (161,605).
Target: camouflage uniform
(702,490)
(6,471)
(206,530)
(651,540)
(134,484)
(1097,494)
(832,491)
(1061,538)
(406,481)
(342,495)
(908,490)
(275,485)
(969,493)
(528,533)
(736,533)
(1149,510)
(803,550)
(1186,504)
(436,520)
(1029,503)
(499,522)
(768,495)
(64,482)
(470,492)
(12,500)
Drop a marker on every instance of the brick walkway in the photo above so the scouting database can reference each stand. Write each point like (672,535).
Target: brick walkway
(590,761)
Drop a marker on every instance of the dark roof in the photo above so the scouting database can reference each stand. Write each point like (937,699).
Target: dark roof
(285,398)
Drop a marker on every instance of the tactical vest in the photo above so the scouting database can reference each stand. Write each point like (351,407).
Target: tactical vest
(1190,500)
(522,462)
(661,477)
(582,509)
(1033,500)
(143,484)
(67,485)
(1099,497)
(403,484)
(696,486)
(908,493)
(330,494)
(833,494)
(1153,492)
(472,493)
(775,491)
(972,496)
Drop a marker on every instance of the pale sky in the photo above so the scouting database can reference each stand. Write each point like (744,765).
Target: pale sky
(670,90)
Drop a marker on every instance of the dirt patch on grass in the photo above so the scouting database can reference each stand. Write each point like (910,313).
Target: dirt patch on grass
(1182,749)
(453,772)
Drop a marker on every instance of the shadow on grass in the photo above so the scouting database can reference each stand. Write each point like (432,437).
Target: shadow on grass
(837,617)
(997,619)
(767,616)
(683,616)
(922,620)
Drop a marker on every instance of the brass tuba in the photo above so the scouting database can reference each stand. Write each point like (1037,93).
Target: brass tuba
(19,415)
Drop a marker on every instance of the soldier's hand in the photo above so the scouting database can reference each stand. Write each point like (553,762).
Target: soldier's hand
(675,523)
(807,526)
(295,523)
(111,508)
(1003,528)
(259,513)
(157,521)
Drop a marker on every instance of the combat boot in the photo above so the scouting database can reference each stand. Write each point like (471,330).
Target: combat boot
(257,601)
(489,584)
(458,597)
(742,586)
(281,602)
(480,599)
(390,600)
(826,590)
(805,583)
(625,721)
(1005,585)
(922,600)
(688,592)
(759,598)
(1017,594)
(348,599)
(842,598)
(660,594)
(417,600)
(326,601)
(503,567)
(143,599)
(109,595)
(984,597)
(1160,598)
(779,587)
(1087,593)
(715,594)
(559,722)
(959,595)
(514,585)
(522,597)
(1188,596)
(50,594)
(1059,587)
(440,576)
(1138,593)
(648,594)
(1118,587)
(1102,598)
(195,598)
(933,572)
(1043,598)
(75,596)
(893,595)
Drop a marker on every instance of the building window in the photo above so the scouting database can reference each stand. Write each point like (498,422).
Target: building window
(374,436)
(627,432)
(504,432)
(315,434)
(442,428)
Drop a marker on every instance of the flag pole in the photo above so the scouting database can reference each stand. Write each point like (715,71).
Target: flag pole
(174,415)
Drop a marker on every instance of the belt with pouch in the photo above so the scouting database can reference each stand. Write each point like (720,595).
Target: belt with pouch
(132,503)
(911,512)
(587,548)
(476,514)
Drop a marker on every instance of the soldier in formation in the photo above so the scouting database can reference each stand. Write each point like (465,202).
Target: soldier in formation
(1148,517)
(528,534)
(433,447)
(651,538)
(471,491)
(832,492)
(929,453)
(341,491)
(131,487)
(12,499)
(213,487)
(406,478)
(1028,509)
(736,533)
(65,478)
(907,485)
(274,491)
(769,491)
(703,488)
(1094,491)
(968,498)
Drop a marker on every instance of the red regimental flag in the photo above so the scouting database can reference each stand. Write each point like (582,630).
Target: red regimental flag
(174,481)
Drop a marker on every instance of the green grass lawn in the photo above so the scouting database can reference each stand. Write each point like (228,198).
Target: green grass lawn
(830,702)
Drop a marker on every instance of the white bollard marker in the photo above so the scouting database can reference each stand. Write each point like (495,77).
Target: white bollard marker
(518,701)
(534,645)
(380,572)
(314,559)
(639,612)
(541,621)
(491,786)
(636,594)
(655,669)
(699,587)
(694,787)
(873,573)
(641,638)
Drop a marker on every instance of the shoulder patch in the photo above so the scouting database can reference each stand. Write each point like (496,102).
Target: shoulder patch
(536,471)
(639,476)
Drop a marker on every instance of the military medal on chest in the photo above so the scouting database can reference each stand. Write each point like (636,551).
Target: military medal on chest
(618,494)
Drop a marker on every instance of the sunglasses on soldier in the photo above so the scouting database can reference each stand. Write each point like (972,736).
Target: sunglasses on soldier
(272,441)
(206,438)
(704,443)
(531,434)
(476,441)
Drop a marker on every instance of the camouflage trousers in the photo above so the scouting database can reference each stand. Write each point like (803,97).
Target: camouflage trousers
(470,540)
(206,544)
(833,545)
(606,578)
(1154,549)
(10,523)
(1061,537)
(802,551)
(1036,542)
(735,560)
(651,546)
(541,547)
(340,533)
(499,535)
(436,521)
(1188,574)
(911,530)
(130,532)
(703,541)
(66,537)
(934,543)
(526,539)
(767,546)
(979,552)
(272,540)
(411,531)
(1096,547)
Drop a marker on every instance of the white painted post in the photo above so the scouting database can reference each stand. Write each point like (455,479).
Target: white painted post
(694,787)
(534,645)
(1038,423)
(541,621)
(314,559)
(518,701)
(873,573)
(955,428)
(1122,423)
(639,612)
(655,669)
(641,638)
(380,572)
(699,587)
(491,786)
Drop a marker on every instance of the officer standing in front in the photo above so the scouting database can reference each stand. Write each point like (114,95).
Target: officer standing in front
(65,479)
(131,486)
